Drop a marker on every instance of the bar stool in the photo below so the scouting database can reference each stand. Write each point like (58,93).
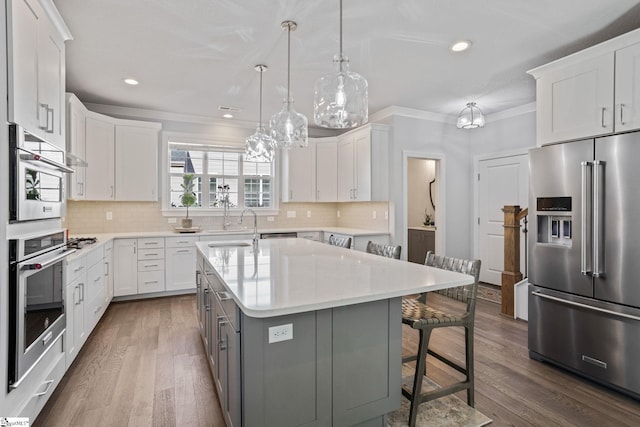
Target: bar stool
(417,314)
(389,251)
(343,242)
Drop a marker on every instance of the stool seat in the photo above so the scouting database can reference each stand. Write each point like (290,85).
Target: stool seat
(418,315)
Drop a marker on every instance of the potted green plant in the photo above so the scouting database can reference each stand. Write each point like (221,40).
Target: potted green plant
(188,197)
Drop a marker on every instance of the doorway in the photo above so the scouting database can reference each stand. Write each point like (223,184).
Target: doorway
(424,205)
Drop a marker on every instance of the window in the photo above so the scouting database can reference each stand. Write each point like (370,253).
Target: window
(218,174)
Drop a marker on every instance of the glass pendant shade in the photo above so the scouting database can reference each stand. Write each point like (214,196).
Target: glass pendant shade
(470,117)
(288,127)
(260,147)
(341,98)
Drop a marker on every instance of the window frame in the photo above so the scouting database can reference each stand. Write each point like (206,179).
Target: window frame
(230,144)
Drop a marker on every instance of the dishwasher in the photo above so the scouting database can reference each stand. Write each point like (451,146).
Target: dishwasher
(278,235)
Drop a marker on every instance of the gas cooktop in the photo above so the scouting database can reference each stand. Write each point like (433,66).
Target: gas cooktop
(80,242)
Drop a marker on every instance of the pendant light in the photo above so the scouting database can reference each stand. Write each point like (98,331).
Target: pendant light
(470,117)
(260,146)
(341,98)
(288,127)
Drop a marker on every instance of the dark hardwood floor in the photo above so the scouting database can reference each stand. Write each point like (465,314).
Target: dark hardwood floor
(144,365)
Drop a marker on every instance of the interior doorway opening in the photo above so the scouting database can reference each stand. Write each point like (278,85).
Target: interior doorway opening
(424,217)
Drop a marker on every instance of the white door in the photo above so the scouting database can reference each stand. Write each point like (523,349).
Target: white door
(501,181)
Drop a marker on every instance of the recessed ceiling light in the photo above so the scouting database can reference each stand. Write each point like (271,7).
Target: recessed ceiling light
(131,81)
(460,46)
(227,116)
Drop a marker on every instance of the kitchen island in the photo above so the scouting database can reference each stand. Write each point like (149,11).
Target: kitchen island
(302,333)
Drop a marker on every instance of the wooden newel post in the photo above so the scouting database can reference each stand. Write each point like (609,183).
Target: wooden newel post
(511,274)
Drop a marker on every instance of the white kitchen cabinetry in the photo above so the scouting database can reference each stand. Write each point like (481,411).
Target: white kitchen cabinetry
(590,93)
(576,101)
(36,68)
(299,169)
(151,265)
(363,164)
(125,258)
(100,152)
(326,169)
(75,334)
(316,236)
(180,263)
(136,154)
(108,269)
(96,290)
(76,147)
(627,88)
(121,155)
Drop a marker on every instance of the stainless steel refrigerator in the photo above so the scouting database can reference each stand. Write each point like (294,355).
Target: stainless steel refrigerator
(584,258)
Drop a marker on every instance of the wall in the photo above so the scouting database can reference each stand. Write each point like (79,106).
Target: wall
(420,172)
(452,145)
(90,217)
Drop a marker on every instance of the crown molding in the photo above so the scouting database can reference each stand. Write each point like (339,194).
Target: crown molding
(394,110)
(511,112)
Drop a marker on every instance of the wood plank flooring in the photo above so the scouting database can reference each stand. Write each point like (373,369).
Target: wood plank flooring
(144,365)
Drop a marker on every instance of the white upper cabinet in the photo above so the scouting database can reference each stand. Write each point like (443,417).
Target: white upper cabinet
(299,171)
(136,151)
(76,147)
(100,152)
(576,101)
(627,92)
(36,68)
(326,169)
(363,164)
(121,156)
(590,93)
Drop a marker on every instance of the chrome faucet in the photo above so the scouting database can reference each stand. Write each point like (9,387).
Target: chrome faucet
(223,190)
(255,237)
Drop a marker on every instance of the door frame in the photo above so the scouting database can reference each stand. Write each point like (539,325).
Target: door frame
(440,201)
(476,189)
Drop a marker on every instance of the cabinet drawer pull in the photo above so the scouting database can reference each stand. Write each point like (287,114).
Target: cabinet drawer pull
(47,338)
(97,279)
(151,243)
(153,254)
(223,296)
(151,282)
(602,118)
(48,383)
(44,116)
(75,270)
(183,251)
(50,129)
(151,265)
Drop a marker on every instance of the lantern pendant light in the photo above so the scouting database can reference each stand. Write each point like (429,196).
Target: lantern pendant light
(341,98)
(470,117)
(288,127)
(260,147)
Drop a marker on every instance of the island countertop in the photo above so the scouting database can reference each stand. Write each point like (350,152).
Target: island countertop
(287,276)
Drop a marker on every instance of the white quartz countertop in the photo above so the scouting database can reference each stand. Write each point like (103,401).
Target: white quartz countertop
(287,276)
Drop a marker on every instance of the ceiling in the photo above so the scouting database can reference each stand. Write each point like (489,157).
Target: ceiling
(193,56)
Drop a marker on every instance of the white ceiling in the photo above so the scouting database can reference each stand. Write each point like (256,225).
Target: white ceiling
(192,56)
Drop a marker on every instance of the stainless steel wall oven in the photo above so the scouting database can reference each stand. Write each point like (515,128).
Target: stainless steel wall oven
(36,299)
(36,177)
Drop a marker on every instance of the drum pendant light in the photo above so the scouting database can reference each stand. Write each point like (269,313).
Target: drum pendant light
(341,98)
(260,147)
(288,127)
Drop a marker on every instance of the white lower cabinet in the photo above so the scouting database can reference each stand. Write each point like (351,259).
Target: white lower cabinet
(125,275)
(75,334)
(95,295)
(180,263)
(150,265)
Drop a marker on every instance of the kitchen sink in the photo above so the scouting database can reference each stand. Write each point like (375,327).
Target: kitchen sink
(228,244)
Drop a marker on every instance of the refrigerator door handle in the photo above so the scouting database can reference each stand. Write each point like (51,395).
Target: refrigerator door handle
(598,235)
(588,307)
(585,220)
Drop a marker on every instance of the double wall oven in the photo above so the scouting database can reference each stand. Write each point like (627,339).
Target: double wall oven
(37,248)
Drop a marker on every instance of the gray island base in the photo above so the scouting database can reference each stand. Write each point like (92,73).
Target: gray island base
(299,333)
